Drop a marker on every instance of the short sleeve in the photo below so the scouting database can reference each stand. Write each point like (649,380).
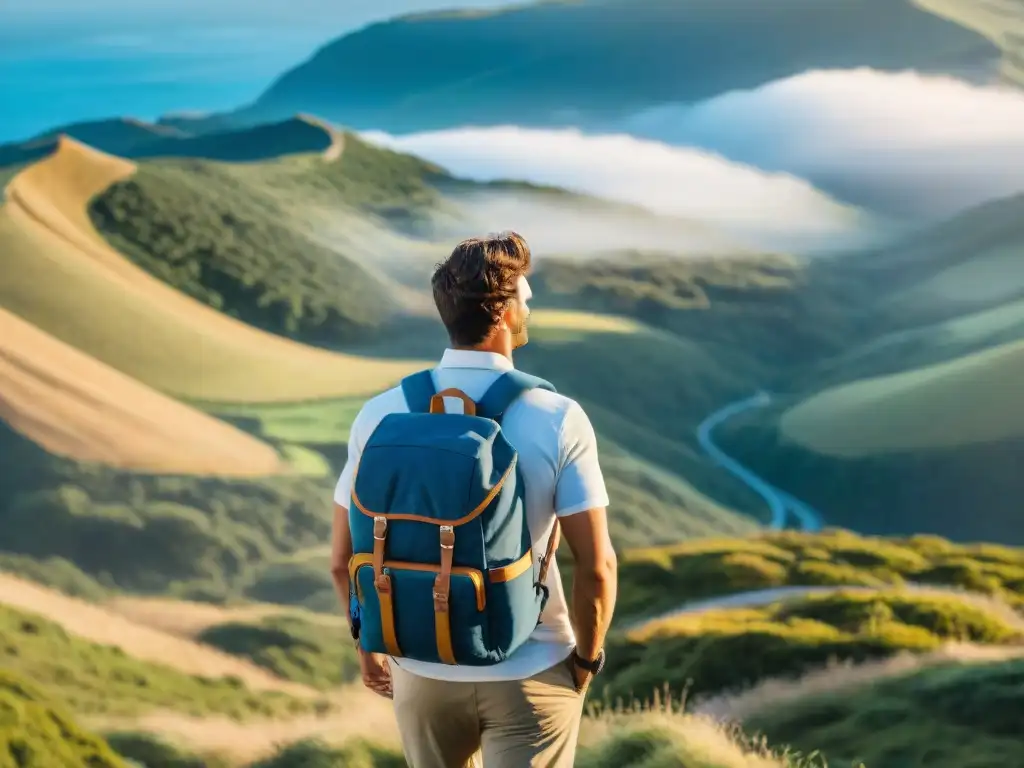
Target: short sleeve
(356,441)
(579,485)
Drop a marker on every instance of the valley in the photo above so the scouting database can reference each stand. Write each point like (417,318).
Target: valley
(811,457)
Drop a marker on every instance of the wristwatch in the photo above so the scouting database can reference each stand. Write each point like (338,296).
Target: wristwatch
(593,667)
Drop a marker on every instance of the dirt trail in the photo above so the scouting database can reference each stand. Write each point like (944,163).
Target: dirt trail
(359,714)
(188,619)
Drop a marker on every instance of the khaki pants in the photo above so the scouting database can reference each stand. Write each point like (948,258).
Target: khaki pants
(531,723)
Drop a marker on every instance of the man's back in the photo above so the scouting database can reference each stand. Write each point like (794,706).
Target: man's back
(558,460)
(524,711)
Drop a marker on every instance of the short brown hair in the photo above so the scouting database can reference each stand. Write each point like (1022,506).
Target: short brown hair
(473,287)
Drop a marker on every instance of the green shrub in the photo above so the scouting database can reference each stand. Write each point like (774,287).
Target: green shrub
(36,733)
(153,752)
(320,655)
(656,579)
(314,754)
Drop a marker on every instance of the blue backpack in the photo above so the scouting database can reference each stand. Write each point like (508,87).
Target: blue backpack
(439,531)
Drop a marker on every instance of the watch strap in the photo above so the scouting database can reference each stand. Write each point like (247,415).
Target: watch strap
(593,666)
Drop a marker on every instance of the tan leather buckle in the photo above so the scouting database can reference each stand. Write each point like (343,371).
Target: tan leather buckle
(447,537)
(380,528)
(440,602)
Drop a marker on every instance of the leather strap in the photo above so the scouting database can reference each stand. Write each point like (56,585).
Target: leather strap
(549,552)
(437,401)
(380,535)
(387,615)
(504,391)
(442,593)
(382,584)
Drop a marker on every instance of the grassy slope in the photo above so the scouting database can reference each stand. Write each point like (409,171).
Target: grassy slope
(36,732)
(664,739)
(727,649)
(97,679)
(629,59)
(109,308)
(917,410)
(956,716)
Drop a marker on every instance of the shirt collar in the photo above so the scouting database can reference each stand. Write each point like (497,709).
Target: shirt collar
(471,358)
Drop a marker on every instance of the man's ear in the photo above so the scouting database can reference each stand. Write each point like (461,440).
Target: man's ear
(509,317)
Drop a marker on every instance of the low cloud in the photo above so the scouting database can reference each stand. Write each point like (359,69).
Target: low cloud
(761,210)
(904,143)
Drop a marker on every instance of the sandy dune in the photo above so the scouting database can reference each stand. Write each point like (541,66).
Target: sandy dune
(72,405)
(101,625)
(57,273)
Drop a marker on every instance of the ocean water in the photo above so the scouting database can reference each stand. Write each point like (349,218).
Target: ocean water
(62,61)
(44,83)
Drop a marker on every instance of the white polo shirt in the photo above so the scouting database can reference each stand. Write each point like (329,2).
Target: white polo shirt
(558,458)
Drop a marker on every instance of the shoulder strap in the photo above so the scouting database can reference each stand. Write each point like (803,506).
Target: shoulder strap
(503,392)
(418,388)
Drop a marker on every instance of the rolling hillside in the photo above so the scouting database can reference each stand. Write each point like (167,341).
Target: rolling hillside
(123,280)
(111,309)
(915,424)
(411,74)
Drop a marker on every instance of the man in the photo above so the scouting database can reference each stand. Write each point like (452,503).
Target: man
(526,710)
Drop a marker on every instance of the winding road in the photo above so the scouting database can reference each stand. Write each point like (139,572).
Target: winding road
(782,505)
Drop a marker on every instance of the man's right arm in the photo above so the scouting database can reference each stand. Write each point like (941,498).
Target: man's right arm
(580,503)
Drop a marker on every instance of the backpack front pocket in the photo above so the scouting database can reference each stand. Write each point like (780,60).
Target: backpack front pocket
(405,618)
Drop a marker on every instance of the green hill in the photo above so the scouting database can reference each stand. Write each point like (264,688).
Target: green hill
(414,73)
(219,237)
(127,137)
(954,716)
